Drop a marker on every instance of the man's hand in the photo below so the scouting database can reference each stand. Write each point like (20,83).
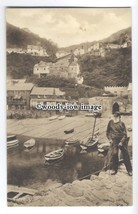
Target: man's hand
(120,145)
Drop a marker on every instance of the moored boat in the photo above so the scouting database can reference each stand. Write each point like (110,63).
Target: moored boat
(12,141)
(103,147)
(29,144)
(55,155)
(69,131)
(61,117)
(53,117)
(72,142)
(91,143)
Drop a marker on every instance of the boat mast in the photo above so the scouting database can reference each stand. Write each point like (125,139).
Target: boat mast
(94,126)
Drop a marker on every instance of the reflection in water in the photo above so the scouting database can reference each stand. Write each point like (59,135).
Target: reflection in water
(27,167)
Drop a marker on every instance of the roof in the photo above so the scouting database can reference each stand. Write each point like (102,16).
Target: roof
(46,91)
(20,87)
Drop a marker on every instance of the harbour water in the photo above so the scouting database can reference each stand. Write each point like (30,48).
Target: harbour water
(27,167)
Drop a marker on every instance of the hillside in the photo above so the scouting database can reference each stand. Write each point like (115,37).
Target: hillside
(20,38)
(21,65)
(113,70)
(114,38)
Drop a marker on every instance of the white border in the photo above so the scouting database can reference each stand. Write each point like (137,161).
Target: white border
(3,172)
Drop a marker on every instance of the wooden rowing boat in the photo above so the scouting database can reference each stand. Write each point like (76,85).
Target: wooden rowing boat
(12,141)
(61,117)
(55,155)
(29,144)
(15,192)
(53,117)
(69,131)
(103,147)
(72,142)
(91,143)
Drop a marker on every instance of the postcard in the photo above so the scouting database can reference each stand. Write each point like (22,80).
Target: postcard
(69,106)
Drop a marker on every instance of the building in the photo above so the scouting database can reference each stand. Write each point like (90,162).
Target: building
(46,96)
(41,69)
(14,81)
(79,51)
(60,54)
(117,90)
(109,104)
(66,67)
(113,46)
(36,50)
(16,50)
(97,49)
(18,95)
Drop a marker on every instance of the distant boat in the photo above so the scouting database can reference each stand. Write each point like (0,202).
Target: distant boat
(61,117)
(90,143)
(69,131)
(29,144)
(89,115)
(55,155)
(72,142)
(12,141)
(53,117)
(94,114)
(103,147)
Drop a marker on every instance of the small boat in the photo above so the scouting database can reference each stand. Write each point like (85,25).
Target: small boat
(94,114)
(69,131)
(55,155)
(14,193)
(12,141)
(103,147)
(89,115)
(61,117)
(53,117)
(29,144)
(72,142)
(90,143)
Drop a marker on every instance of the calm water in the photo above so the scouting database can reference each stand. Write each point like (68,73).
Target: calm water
(26,168)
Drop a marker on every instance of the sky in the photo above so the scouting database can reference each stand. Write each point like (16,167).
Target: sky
(69,26)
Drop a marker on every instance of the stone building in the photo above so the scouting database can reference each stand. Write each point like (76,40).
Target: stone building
(18,95)
(117,90)
(46,95)
(66,67)
(41,69)
(109,104)
(36,50)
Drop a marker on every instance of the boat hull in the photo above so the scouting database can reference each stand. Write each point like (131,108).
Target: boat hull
(56,155)
(72,142)
(12,141)
(29,144)
(89,145)
(69,131)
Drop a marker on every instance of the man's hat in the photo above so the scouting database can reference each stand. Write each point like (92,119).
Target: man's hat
(116,114)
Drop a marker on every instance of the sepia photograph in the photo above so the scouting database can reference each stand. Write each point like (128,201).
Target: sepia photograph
(69,106)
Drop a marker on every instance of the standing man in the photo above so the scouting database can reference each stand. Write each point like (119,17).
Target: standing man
(117,135)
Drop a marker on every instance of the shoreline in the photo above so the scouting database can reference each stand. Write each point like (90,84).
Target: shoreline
(102,190)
